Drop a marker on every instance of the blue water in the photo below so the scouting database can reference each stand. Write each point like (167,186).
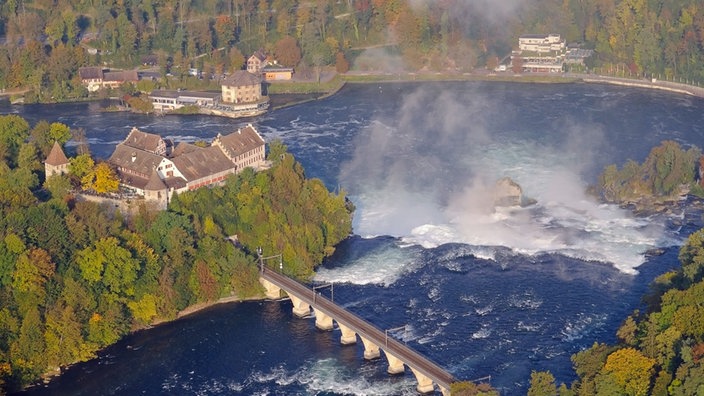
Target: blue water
(480,292)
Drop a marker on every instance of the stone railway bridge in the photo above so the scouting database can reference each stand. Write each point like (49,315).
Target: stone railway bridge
(427,373)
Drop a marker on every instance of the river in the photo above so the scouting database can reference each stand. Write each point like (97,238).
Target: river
(480,292)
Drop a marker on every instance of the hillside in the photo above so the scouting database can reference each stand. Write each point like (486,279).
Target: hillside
(45,41)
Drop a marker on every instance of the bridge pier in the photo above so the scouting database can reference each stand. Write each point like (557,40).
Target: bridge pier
(371,350)
(425,384)
(348,335)
(395,365)
(300,307)
(322,320)
(272,291)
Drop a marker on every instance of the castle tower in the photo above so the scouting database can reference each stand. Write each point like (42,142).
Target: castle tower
(56,163)
(156,190)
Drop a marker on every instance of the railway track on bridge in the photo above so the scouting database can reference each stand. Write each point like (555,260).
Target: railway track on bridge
(417,362)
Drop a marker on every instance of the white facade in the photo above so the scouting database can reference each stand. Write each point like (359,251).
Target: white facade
(541,43)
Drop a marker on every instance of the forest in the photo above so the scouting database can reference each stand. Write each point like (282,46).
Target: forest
(76,276)
(667,173)
(44,42)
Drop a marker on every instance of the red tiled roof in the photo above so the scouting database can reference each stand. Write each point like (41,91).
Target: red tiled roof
(183,148)
(259,54)
(90,73)
(241,78)
(155,183)
(239,142)
(142,140)
(121,76)
(197,164)
(139,161)
(56,156)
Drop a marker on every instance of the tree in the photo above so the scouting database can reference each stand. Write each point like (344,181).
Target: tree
(203,283)
(64,342)
(14,130)
(39,135)
(542,383)
(630,370)
(692,257)
(668,167)
(287,51)
(109,265)
(80,165)
(588,363)
(87,222)
(55,30)
(225,30)
(492,62)
(102,179)
(32,271)
(144,309)
(627,331)
(79,136)
(341,64)
(59,133)
(236,60)
(28,351)
(61,64)
(7,264)
(27,157)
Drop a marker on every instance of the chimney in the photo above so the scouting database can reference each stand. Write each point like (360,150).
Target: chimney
(134,156)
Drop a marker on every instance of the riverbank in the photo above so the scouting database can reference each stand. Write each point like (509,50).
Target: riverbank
(548,78)
(652,84)
(204,305)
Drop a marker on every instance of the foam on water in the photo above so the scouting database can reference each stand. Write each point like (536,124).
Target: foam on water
(331,376)
(564,221)
(382,266)
(175,384)
(525,301)
(575,329)
(482,333)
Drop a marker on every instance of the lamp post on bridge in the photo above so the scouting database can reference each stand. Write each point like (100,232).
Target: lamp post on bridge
(386,334)
(261,260)
(332,291)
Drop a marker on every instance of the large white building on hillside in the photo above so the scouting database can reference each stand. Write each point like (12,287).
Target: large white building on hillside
(540,53)
(541,43)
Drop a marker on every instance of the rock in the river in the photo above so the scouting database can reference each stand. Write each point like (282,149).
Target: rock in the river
(509,193)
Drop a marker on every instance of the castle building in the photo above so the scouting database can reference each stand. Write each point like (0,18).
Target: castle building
(148,167)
